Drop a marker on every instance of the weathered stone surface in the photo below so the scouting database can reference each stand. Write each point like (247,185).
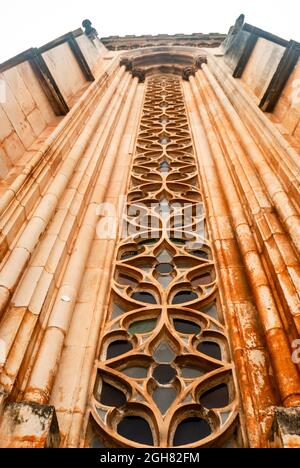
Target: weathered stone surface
(27,425)
(286,428)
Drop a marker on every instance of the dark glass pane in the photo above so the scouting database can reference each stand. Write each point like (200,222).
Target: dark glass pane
(136,372)
(145,297)
(164,207)
(143,326)
(164,256)
(184,296)
(164,374)
(164,281)
(191,372)
(129,254)
(164,120)
(200,254)
(136,429)
(186,327)
(178,240)
(232,442)
(111,396)
(117,310)
(117,348)
(164,268)
(164,141)
(202,280)
(164,398)
(149,241)
(210,349)
(191,430)
(216,397)
(164,167)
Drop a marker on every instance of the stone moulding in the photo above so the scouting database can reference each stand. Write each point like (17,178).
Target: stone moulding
(191,346)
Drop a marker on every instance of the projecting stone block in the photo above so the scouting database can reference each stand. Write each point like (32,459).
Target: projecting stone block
(286,428)
(28,425)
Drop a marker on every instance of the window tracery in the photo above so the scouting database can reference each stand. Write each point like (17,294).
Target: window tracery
(164,376)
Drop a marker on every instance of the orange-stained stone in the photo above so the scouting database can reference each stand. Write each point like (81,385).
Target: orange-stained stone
(59,279)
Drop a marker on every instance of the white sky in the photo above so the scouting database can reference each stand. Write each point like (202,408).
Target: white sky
(32,23)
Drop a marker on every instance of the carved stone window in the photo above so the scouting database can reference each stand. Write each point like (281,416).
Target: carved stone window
(164,375)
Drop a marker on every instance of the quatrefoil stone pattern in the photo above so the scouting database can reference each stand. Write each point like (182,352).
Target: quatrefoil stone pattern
(164,372)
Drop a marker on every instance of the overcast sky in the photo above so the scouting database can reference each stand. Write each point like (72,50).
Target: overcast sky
(31,23)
